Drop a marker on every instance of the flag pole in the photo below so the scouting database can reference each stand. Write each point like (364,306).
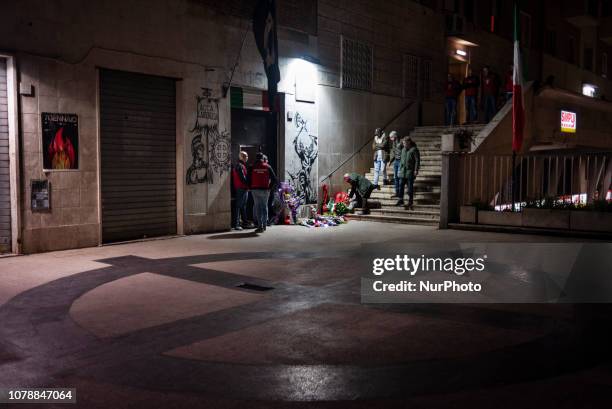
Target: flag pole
(513,182)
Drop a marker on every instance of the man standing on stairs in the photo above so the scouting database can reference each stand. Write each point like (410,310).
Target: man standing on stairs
(380,146)
(490,90)
(361,189)
(409,169)
(453,89)
(396,147)
(471,84)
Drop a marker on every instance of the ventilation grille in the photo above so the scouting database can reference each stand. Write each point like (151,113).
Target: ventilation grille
(356,65)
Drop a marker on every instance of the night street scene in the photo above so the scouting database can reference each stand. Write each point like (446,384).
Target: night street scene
(296,204)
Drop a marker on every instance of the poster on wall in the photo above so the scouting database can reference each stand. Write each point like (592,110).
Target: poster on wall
(41,195)
(302,151)
(60,141)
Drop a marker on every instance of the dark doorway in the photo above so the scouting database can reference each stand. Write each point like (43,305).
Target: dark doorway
(257,131)
(254,131)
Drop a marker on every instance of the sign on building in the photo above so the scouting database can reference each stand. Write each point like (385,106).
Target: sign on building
(60,141)
(568,122)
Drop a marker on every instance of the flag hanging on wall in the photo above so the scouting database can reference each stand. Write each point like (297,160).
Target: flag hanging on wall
(264,29)
(518,107)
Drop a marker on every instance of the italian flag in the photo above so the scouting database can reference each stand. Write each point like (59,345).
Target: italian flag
(518,107)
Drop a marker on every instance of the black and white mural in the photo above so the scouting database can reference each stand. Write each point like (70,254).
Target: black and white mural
(210,148)
(302,151)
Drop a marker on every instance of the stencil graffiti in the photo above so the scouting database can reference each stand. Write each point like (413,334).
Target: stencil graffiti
(210,149)
(306,148)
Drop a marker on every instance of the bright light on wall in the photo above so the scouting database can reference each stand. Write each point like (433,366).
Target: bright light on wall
(305,74)
(589,90)
(461,53)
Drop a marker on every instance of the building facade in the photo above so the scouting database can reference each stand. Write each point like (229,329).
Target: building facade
(119,120)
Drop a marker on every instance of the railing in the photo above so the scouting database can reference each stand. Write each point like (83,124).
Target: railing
(575,177)
(367,143)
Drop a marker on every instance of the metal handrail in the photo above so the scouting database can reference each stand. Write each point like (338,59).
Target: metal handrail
(367,142)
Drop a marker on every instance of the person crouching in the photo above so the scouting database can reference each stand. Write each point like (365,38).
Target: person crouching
(361,189)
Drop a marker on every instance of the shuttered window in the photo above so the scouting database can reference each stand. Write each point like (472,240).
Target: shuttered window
(138,155)
(5,192)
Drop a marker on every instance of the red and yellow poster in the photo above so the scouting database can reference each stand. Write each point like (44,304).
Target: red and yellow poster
(60,141)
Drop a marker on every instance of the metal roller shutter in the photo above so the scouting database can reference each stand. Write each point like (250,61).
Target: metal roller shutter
(5,191)
(138,155)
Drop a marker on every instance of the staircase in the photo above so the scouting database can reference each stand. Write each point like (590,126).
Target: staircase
(426,209)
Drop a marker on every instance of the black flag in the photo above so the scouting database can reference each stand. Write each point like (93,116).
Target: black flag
(264,28)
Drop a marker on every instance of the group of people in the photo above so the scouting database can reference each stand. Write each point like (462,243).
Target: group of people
(257,180)
(403,154)
(471,85)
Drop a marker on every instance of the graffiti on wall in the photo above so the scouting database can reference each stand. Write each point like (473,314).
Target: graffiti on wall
(210,148)
(306,147)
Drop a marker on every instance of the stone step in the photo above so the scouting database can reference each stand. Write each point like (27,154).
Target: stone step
(422,174)
(380,194)
(401,212)
(393,219)
(418,195)
(417,207)
(420,177)
(420,187)
(420,198)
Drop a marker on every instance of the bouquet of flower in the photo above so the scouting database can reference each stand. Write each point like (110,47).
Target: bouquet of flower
(290,201)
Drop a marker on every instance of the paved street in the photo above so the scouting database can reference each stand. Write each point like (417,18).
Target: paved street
(164,323)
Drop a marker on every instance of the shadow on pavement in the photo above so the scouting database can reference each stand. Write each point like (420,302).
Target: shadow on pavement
(233,235)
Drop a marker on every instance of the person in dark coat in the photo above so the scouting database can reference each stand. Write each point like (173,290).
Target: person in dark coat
(409,170)
(361,189)
(240,185)
(395,155)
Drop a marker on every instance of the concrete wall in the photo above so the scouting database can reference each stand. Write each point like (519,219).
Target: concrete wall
(355,115)
(594,121)
(347,118)
(59,46)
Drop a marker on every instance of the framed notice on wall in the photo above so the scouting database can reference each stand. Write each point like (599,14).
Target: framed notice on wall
(41,195)
(60,141)
(568,122)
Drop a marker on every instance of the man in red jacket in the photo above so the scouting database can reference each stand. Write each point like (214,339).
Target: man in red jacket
(471,84)
(240,184)
(490,89)
(453,89)
(262,177)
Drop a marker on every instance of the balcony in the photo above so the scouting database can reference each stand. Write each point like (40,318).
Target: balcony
(605,30)
(582,13)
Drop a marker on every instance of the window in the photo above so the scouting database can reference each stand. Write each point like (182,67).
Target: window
(571,50)
(525,30)
(494,11)
(588,59)
(426,68)
(550,45)
(468,10)
(604,65)
(451,5)
(357,61)
(411,76)
(593,8)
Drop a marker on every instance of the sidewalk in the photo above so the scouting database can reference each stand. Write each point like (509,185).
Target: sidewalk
(164,323)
